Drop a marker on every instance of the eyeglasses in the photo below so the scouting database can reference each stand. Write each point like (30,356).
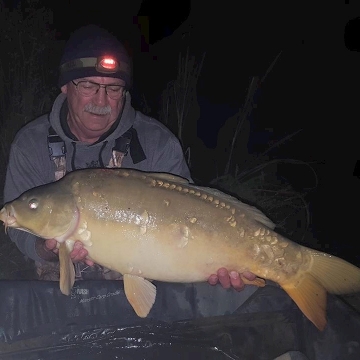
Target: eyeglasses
(89,88)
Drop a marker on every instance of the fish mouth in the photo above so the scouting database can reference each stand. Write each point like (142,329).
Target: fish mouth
(7,216)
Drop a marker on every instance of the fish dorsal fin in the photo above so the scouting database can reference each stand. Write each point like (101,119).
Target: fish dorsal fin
(259,216)
(67,271)
(252,211)
(141,294)
(169,177)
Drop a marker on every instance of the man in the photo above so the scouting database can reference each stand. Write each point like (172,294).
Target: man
(92,124)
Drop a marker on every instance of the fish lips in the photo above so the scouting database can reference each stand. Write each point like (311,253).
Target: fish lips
(7,216)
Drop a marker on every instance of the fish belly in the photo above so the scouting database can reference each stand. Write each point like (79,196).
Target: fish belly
(161,254)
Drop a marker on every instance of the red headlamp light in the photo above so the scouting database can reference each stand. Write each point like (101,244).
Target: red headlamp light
(103,64)
(107,64)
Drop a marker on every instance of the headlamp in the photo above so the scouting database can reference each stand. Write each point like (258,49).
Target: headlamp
(102,64)
(107,64)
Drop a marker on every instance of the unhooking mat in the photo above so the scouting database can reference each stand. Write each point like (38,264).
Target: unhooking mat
(187,322)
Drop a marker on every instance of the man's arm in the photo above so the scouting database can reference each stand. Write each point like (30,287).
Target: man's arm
(171,160)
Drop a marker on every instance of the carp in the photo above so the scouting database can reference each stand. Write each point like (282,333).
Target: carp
(157,226)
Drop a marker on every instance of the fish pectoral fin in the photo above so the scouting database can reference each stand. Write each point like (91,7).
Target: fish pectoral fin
(67,271)
(310,296)
(257,281)
(141,294)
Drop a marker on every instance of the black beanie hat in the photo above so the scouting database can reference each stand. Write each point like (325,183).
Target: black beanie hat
(83,50)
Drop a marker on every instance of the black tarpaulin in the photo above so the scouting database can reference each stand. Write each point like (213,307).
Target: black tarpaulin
(187,322)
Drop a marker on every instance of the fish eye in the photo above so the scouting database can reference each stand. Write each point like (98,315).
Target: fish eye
(33,204)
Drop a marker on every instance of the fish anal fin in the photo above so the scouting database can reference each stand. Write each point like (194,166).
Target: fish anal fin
(257,281)
(310,296)
(67,271)
(141,294)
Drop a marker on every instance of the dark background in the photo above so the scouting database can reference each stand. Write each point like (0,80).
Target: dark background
(313,86)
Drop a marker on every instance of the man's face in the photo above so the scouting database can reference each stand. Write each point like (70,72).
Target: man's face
(91,116)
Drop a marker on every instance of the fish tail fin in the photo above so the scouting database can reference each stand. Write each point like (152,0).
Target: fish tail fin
(326,273)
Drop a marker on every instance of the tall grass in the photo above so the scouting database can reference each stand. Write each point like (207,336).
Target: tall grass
(28,63)
(256,181)
(179,105)
(262,186)
(29,57)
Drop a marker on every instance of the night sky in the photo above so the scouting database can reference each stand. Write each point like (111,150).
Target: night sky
(313,86)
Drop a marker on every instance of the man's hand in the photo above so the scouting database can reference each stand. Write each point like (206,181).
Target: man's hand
(77,254)
(232,278)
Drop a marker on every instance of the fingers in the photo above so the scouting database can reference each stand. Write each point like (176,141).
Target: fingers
(248,275)
(50,244)
(224,278)
(89,262)
(236,281)
(79,253)
(230,279)
(213,279)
